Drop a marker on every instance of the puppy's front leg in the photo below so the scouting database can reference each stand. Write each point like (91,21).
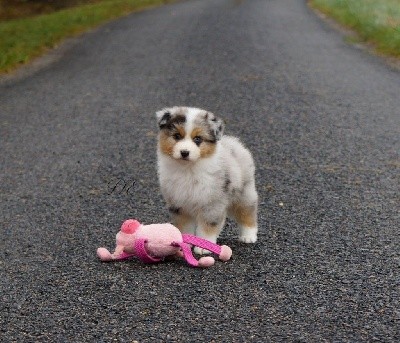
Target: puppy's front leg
(181,220)
(209,227)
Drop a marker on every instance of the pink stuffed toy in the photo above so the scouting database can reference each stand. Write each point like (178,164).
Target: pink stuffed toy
(151,243)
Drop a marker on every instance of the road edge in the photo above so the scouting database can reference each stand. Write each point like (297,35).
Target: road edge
(52,55)
(349,34)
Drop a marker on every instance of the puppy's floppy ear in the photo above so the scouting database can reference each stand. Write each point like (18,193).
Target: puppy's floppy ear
(163,117)
(217,125)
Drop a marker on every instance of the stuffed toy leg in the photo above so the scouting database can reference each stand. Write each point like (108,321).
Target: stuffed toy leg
(224,252)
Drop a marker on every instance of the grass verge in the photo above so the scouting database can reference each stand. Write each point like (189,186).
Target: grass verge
(21,40)
(375,22)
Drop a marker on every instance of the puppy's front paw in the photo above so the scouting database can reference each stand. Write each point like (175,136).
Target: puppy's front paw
(248,235)
(201,251)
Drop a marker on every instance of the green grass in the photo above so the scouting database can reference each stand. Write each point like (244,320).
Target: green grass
(21,40)
(375,21)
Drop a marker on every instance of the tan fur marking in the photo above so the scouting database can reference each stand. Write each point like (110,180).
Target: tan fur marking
(244,215)
(166,143)
(207,149)
(197,131)
(181,220)
(211,229)
(181,131)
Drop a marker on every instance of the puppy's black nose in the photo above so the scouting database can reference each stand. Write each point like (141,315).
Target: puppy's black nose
(184,153)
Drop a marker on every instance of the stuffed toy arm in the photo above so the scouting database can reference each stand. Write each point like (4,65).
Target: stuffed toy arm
(118,254)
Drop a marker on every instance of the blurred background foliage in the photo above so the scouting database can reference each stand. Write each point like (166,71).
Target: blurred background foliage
(15,9)
(375,21)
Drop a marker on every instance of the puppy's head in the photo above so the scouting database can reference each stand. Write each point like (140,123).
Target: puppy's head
(188,134)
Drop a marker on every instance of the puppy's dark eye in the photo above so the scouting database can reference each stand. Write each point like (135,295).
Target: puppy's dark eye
(177,136)
(197,140)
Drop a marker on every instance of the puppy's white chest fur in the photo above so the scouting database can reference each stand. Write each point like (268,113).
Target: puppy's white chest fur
(189,186)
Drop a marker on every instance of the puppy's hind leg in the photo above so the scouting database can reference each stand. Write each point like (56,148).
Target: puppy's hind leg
(245,214)
(246,217)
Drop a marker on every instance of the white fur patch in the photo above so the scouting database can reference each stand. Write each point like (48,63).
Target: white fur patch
(248,235)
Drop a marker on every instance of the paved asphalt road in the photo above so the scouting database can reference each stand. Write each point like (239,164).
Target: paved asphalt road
(322,119)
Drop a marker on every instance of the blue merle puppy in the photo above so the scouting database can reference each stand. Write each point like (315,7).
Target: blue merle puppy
(205,176)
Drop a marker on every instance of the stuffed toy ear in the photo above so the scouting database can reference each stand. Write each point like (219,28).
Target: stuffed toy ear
(130,226)
(217,125)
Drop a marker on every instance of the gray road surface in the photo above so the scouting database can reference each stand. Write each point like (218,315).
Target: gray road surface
(323,121)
